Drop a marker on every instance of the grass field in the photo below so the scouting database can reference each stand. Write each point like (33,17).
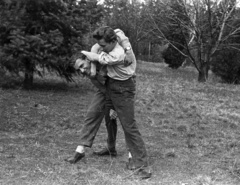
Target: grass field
(191,130)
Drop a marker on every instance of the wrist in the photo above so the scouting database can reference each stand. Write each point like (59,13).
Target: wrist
(127,49)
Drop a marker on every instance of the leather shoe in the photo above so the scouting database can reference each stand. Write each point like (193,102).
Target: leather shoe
(143,174)
(130,165)
(106,151)
(140,172)
(77,157)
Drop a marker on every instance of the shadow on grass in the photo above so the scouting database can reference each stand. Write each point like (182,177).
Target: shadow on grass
(9,82)
(51,86)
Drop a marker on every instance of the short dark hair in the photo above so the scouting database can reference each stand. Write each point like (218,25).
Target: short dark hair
(105,33)
(77,56)
(82,56)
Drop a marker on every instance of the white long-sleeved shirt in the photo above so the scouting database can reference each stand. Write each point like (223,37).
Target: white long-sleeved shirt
(117,72)
(115,66)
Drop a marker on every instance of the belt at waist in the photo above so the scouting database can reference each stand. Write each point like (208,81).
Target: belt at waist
(114,80)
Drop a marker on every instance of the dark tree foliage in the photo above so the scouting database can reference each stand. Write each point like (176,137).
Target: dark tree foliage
(173,58)
(226,65)
(38,35)
(176,33)
(226,61)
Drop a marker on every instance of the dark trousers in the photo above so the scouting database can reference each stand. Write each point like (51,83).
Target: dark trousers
(120,96)
(93,119)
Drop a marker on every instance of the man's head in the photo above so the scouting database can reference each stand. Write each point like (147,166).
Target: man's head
(106,38)
(83,64)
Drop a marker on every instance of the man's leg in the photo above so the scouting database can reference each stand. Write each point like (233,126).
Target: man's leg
(122,94)
(133,137)
(93,119)
(111,125)
(92,122)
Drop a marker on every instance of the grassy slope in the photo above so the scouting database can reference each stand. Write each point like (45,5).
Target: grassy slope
(191,132)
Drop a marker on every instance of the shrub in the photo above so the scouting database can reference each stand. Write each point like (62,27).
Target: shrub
(173,58)
(226,65)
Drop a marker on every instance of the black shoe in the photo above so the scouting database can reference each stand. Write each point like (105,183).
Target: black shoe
(77,157)
(143,174)
(106,151)
(140,172)
(130,165)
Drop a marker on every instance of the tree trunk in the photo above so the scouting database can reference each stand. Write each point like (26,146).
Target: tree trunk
(28,78)
(149,52)
(203,73)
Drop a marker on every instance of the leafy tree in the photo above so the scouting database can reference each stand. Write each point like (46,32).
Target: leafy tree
(38,35)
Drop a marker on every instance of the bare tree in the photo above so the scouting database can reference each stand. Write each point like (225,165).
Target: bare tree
(208,25)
